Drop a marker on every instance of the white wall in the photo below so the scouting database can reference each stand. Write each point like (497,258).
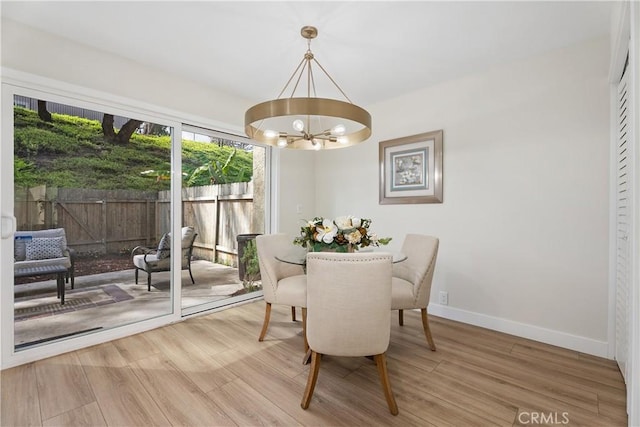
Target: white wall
(524,223)
(296,175)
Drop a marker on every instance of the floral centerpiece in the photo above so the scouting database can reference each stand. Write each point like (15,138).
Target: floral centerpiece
(343,234)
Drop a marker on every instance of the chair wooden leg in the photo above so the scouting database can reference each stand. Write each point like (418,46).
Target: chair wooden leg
(381,363)
(304,328)
(427,331)
(400,317)
(293,314)
(148,281)
(311,381)
(265,325)
(136,276)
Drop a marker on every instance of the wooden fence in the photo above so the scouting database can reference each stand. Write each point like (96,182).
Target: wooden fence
(105,221)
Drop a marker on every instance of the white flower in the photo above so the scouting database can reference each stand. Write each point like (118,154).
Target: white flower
(354,237)
(348,222)
(326,231)
(343,222)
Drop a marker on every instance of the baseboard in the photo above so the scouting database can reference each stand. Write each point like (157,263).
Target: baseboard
(536,333)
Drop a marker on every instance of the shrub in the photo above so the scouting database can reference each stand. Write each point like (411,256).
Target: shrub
(24,173)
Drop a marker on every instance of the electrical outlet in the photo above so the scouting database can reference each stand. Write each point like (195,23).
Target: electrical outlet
(444,298)
(299,209)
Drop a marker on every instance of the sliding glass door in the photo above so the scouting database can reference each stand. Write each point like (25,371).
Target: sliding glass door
(92,202)
(123,221)
(223,200)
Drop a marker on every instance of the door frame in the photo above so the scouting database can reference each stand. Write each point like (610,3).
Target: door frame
(626,39)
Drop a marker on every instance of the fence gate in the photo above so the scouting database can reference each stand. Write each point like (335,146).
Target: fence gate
(107,221)
(84,223)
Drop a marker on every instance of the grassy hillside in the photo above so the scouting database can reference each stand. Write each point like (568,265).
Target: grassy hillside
(71,152)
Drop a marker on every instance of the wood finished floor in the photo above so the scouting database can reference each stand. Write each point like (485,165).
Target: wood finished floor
(212,371)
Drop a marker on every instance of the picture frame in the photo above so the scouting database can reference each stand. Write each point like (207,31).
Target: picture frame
(411,169)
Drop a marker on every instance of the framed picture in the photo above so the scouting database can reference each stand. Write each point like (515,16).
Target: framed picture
(411,169)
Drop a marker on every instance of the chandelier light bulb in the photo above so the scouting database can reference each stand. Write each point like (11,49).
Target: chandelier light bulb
(282,142)
(298,125)
(339,129)
(268,133)
(342,139)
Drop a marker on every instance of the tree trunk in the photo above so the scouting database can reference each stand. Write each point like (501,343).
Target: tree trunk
(127,130)
(43,113)
(123,136)
(107,127)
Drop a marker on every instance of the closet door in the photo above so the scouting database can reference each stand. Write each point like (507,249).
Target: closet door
(624,186)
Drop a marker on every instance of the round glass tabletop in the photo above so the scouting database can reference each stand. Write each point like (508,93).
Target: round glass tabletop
(298,255)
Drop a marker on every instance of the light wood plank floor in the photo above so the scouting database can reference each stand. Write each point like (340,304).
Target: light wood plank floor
(211,370)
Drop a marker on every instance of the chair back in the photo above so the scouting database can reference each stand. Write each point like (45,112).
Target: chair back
(186,244)
(188,237)
(421,251)
(348,303)
(272,270)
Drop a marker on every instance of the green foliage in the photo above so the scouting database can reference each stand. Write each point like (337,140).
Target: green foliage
(71,152)
(24,173)
(62,179)
(77,127)
(207,164)
(30,142)
(252,267)
(214,172)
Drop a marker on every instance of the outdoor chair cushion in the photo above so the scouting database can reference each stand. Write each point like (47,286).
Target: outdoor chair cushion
(164,247)
(42,248)
(22,237)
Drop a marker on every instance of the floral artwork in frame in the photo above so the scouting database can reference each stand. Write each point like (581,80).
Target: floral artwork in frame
(411,169)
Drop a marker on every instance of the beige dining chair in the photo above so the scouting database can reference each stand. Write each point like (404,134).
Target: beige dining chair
(348,304)
(282,283)
(411,285)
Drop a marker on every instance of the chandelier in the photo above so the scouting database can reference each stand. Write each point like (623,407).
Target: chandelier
(307,122)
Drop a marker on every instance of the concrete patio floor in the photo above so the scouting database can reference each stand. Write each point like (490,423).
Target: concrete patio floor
(214,282)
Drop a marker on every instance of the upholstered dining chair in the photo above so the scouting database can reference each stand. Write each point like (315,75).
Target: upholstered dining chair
(282,283)
(348,304)
(411,285)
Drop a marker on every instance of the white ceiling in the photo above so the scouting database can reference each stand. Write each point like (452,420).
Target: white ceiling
(374,50)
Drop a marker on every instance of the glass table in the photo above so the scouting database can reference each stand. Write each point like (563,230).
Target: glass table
(298,255)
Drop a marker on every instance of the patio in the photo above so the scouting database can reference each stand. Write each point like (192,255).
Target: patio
(112,299)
